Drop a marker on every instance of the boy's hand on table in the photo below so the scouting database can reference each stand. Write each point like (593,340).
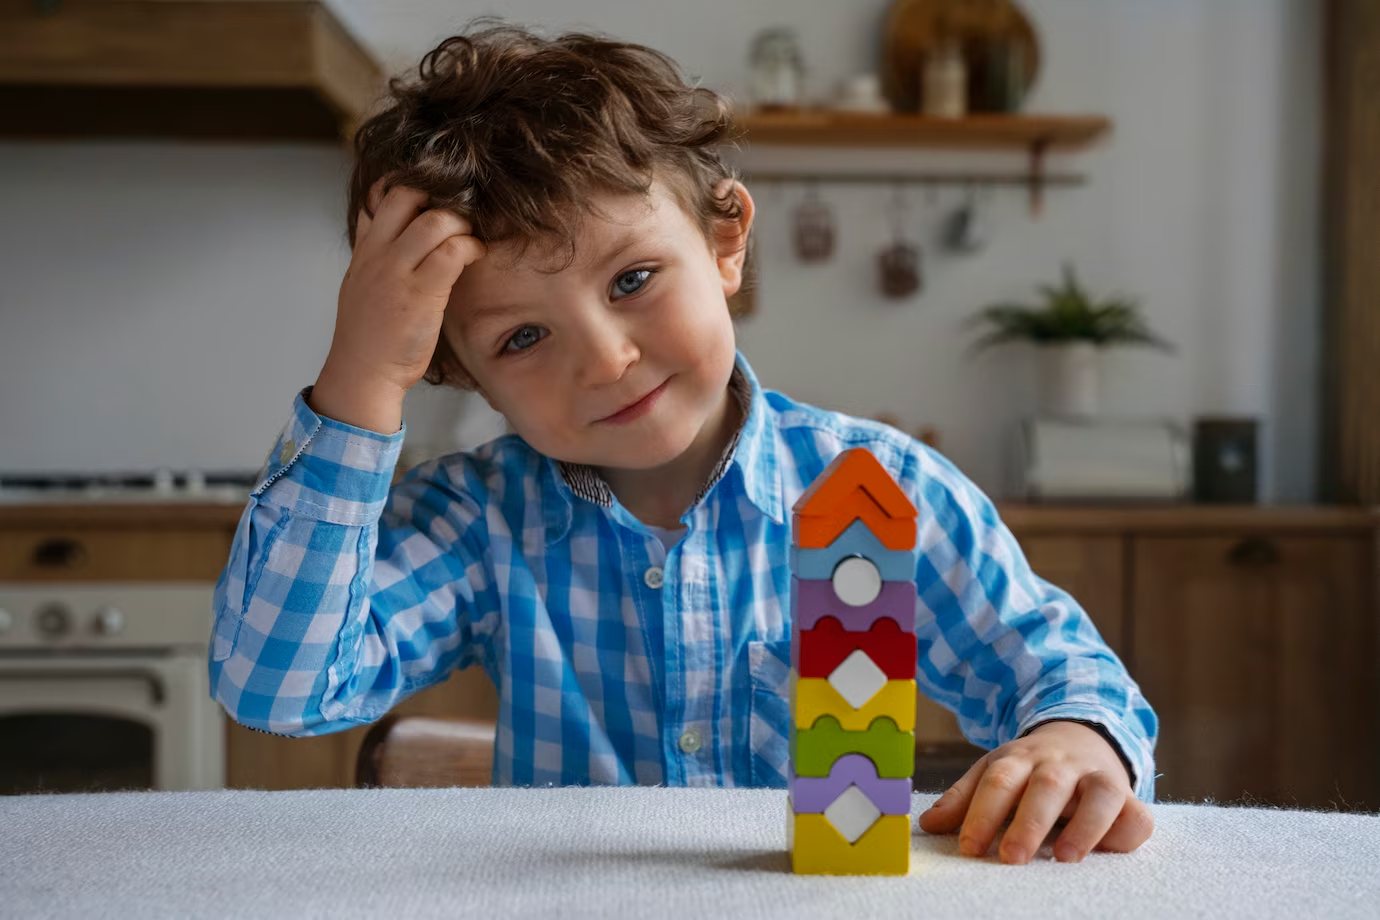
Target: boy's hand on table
(405,262)
(1060,769)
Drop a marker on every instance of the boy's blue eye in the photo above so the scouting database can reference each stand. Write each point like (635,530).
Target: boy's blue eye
(525,338)
(630,283)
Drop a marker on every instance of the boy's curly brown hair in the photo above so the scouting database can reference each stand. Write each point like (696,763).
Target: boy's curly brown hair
(514,132)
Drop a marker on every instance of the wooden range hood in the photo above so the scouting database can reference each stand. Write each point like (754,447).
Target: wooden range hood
(200,69)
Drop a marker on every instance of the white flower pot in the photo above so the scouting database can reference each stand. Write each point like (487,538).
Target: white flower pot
(1070,375)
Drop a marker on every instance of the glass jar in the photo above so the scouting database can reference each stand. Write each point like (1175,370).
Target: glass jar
(778,70)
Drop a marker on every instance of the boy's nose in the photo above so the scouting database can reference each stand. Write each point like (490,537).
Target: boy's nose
(608,353)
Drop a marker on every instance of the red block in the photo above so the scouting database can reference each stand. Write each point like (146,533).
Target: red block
(817,652)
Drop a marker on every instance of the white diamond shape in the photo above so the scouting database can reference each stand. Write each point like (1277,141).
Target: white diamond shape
(852,814)
(857,679)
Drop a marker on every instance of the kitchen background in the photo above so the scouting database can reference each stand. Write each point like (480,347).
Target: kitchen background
(162,300)
(160,303)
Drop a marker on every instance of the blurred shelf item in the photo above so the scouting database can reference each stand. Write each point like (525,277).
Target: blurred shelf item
(915,29)
(198,69)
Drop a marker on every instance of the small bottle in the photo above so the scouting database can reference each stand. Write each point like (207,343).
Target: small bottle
(945,79)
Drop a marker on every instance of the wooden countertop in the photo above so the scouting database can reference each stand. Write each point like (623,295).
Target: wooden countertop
(1186,518)
(122,515)
(1022,518)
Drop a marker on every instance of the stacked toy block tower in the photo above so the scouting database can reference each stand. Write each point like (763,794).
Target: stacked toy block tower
(853,654)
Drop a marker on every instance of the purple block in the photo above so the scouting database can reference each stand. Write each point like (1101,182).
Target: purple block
(813,599)
(811,795)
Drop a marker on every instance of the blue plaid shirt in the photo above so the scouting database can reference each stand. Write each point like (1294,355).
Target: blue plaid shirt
(616,660)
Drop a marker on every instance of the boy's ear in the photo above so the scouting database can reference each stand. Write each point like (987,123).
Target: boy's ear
(730,239)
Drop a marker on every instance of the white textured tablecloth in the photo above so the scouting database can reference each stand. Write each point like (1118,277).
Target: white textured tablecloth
(639,852)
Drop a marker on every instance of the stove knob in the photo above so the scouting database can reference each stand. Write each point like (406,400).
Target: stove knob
(6,621)
(109,621)
(53,621)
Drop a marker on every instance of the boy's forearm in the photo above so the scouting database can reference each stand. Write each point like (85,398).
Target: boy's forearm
(358,401)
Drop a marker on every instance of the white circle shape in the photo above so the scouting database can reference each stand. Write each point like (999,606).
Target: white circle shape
(857,581)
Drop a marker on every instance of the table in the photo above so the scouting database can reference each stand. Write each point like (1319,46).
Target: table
(632,852)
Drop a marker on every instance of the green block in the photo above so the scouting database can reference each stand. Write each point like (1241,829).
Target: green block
(814,749)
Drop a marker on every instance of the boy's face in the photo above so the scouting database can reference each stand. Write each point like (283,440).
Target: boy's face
(621,360)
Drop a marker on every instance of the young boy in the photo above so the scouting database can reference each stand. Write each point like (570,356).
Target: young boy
(548,222)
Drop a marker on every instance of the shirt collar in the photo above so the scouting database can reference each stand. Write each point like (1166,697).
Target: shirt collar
(752,450)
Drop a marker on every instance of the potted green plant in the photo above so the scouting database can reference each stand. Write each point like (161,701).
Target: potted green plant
(1070,327)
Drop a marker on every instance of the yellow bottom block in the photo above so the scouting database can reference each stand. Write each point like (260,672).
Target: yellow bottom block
(817,849)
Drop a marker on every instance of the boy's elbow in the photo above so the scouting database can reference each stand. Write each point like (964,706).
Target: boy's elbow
(262,713)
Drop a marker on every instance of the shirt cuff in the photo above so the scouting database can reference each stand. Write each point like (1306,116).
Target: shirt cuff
(1132,747)
(327,470)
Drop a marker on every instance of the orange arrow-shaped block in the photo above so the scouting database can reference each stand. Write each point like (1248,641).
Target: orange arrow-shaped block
(854,470)
(819,531)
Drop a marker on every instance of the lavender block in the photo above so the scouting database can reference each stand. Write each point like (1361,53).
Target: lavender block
(813,600)
(812,795)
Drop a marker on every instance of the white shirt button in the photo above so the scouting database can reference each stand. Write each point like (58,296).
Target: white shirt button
(690,741)
(654,577)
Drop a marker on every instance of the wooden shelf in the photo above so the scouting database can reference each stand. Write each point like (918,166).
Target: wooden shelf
(1036,135)
(211,69)
(819,128)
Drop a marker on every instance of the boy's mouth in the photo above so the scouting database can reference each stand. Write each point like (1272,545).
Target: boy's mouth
(635,409)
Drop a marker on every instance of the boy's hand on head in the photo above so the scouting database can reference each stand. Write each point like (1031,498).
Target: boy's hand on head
(406,259)
(1061,769)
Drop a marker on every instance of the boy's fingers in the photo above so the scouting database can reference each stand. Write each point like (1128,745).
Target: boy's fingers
(440,270)
(421,238)
(1046,795)
(1001,787)
(1133,826)
(398,209)
(1101,799)
(364,219)
(374,197)
(947,813)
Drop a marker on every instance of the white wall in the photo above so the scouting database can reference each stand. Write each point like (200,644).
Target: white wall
(159,304)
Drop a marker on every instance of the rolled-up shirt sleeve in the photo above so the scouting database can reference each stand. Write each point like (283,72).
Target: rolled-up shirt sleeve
(1003,648)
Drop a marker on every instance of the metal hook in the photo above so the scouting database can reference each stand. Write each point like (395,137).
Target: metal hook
(899,210)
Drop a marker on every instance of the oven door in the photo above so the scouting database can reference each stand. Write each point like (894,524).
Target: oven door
(92,723)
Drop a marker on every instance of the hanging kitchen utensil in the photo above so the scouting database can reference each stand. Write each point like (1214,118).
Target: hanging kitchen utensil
(814,228)
(900,263)
(966,232)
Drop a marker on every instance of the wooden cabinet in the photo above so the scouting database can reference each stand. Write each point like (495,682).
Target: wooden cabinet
(1259,655)
(261,761)
(203,69)
(1253,632)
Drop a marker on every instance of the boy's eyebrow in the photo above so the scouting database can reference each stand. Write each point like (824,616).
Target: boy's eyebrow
(480,315)
(623,246)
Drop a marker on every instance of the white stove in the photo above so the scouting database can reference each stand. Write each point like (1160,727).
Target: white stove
(157,486)
(103,684)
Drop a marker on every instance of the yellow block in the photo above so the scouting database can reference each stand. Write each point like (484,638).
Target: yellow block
(812,697)
(817,849)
